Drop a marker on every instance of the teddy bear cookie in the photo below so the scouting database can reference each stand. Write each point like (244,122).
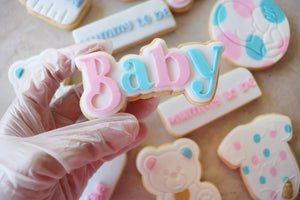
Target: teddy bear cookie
(64,14)
(173,172)
(256,33)
(190,69)
(267,164)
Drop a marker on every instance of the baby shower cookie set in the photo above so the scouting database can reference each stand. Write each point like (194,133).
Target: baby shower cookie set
(249,34)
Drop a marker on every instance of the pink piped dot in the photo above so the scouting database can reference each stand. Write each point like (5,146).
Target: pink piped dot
(254,160)
(244,8)
(237,146)
(273,134)
(273,171)
(283,44)
(282,155)
(273,195)
(232,45)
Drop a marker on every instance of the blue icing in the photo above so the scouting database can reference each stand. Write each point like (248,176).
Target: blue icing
(271,11)
(256,138)
(288,128)
(262,180)
(255,47)
(76,3)
(19,72)
(284,179)
(266,152)
(246,170)
(219,15)
(187,152)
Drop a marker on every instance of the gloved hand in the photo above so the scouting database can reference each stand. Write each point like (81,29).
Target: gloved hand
(44,155)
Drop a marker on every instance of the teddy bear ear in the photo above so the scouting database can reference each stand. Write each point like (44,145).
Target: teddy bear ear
(150,163)
(188,148)
(146,160)
(187,152)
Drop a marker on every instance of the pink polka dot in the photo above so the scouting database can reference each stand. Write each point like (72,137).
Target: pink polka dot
(243,7)
(273,171)
(232,45)
(273,195)
(254,160)
(273,134)
(237,146)
(282,155)
(283,44)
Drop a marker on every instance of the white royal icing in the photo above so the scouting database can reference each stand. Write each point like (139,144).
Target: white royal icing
(61,11)
(108,174)
(256,33)
(235,89)
(21,73)
(172,169)
(131,26)
(261,151)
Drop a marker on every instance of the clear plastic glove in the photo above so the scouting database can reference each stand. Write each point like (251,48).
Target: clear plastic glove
(44,153)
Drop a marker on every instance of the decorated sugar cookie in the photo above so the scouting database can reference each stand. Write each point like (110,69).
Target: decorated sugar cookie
(22,71)
(267,164)
(256,33)
(64,14)
(191,69)
(173,172)
(180,6)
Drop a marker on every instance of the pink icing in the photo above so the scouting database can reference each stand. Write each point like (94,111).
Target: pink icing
(229,94)
(97,80)
(244,86)
(150,163)
(177,1)
(232,45)
(254,160)
(273,195)
(273,171)
(244,8)
(273,134)
(283,44)
(267,63)
(161,60)
(282,155)
(237,146)
(99,193)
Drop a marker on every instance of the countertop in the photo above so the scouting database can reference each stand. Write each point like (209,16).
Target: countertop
(23,35)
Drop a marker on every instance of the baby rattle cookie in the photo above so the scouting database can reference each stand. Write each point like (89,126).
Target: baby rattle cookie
(191,69)
(22,71)
(267,164)
(180,6)
(173,171)
(256,33)
(102,184)
(64,14)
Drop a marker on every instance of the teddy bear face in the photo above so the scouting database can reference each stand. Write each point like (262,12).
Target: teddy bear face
(170,169)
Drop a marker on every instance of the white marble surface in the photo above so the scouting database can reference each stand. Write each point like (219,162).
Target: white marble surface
(23,36)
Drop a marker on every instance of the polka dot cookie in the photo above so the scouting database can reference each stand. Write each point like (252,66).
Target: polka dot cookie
(267,164)
(256,33)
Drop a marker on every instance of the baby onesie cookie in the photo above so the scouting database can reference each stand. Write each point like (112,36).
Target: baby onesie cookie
(173,171)
(267,164)
(256,33)
(64,14)
(180,6)
(102,184)
(235,89)
(191,69)
(22,71)
(130,27)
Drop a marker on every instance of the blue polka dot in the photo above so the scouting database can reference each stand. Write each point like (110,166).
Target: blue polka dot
(271,11)
(255,47)
(246,170)
(19,72)
(288,128)
(284,179)
(219,15)
(187,152)
(256,138)
(267,152)
(262,180)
